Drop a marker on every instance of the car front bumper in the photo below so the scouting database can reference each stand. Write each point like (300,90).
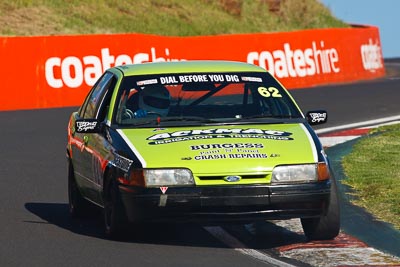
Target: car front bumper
(240,203)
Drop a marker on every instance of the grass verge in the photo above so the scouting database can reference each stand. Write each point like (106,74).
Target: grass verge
(373,170)
(162,17)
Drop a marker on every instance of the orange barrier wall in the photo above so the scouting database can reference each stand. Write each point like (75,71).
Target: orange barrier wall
(58,71)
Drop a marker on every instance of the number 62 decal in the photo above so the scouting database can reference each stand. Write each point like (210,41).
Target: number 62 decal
(269,92)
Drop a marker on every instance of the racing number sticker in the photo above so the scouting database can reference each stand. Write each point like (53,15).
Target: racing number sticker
(268,92)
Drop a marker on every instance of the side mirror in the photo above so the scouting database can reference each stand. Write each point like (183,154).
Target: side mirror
(316,117)
(87,126)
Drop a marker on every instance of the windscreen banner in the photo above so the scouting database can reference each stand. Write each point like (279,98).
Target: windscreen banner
(58,71)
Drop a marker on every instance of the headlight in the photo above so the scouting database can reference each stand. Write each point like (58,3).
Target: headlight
(300,173)
(163,177)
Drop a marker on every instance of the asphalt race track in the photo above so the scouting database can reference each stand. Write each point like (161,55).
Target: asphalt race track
(37,231)
(352,103)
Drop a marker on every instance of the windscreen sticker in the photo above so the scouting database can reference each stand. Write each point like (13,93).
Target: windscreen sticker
(189,135)
(199,78)
(252,79)
(269,92)
(147,82)
(229,151)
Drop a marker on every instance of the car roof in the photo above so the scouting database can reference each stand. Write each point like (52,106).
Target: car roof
(205,66)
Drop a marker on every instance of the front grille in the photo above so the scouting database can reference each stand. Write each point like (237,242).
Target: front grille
(221,177)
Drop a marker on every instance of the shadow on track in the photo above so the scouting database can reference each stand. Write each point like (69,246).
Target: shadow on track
(260,235)
(188,235)
(57,214)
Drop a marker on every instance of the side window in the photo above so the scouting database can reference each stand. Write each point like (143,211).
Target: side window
(96,96)
(105,103)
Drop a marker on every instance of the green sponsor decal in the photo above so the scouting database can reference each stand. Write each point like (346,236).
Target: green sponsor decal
(197,134)
(223,151)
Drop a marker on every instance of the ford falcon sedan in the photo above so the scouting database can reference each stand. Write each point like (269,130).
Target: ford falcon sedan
(203,141)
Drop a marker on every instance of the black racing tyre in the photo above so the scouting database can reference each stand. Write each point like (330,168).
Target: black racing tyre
(115,219)
(327,226)
(77,205)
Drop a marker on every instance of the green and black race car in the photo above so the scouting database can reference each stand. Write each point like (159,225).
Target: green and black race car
(204,141)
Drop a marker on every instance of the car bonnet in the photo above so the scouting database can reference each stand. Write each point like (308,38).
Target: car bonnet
(222,149)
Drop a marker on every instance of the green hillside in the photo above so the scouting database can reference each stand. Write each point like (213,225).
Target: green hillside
(162,17)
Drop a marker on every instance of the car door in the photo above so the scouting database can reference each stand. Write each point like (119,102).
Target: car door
(89,157)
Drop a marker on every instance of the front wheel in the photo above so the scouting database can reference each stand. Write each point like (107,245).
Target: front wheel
(115,220)
(327,226)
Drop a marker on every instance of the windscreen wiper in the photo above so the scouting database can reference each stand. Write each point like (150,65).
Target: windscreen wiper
(185,118)
(158,120)
(260,116)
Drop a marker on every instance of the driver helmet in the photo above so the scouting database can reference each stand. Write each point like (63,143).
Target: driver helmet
(155,99)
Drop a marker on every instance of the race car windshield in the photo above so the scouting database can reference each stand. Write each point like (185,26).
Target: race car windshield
(156,102)
(208,97)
